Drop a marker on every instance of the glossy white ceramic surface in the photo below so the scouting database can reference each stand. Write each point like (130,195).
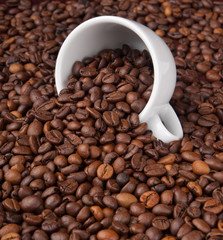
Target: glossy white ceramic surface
(112,32)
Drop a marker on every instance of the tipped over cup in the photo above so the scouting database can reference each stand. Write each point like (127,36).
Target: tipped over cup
(111,32)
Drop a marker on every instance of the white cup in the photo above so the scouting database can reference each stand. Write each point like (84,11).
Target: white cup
(112,32)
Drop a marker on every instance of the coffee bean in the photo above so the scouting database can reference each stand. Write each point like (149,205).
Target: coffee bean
(154,233)
(201,225)
(11,205)
(59,235)
(193,234)
(201,168)
(13,176)
(8,236)
(190,156)
(194,212)
(104,171)
(126,199)
(115,96)
(161,222)
(162,209)
(9,228)
(107,234)
(32,219)
(32,203)
(111,118)
(184,229)
(88,72)
(213,205)
(195,188)
(138,162)
(212,75)
(149,198)
(54,137)
(68,186)
(154,170)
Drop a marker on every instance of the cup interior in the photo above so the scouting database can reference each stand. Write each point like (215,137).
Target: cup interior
(87,40)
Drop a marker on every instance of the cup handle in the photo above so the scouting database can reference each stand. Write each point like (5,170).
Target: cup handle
(165,124)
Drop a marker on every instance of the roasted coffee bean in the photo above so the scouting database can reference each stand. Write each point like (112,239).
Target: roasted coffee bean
(161,222)
(105,171)
(154,233)
(32,203)
(107,234)
(195,188)
(138,162)
(54,137)
(193,234)
(201,225)
(150,199)
(9,228)
(213,205)
(154,170)
(126,199)
(200,167)
(111,118)
(11,205)
(162,209)
(14,236)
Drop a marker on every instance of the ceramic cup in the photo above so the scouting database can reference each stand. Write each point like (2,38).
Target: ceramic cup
(110,32)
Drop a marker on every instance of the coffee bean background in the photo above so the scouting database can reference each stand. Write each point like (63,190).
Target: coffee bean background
(80,165)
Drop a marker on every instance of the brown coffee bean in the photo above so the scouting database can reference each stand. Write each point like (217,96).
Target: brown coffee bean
(138,105)
(161,222)
(35,128)
(13,176)
(32,203)
(105,171)
(126,199)
(190,156)
(136,209)
(83,150)
(115,96)
(155,170)
(150,199)
(213,205)
(10,228)
(13,236)
(97,212)
(107,234)
(16,67)
(192,235)
(154,233)
(201,225)
(193,212)
(54,137)
(59,235)
(212,75)
(195,188)
(11,205)
(32,219)
(162,209)
(200,167)
(68,186)
(111,118)
(22,150)
(88,72)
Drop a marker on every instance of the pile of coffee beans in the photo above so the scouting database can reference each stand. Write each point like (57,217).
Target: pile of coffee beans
(79,165)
